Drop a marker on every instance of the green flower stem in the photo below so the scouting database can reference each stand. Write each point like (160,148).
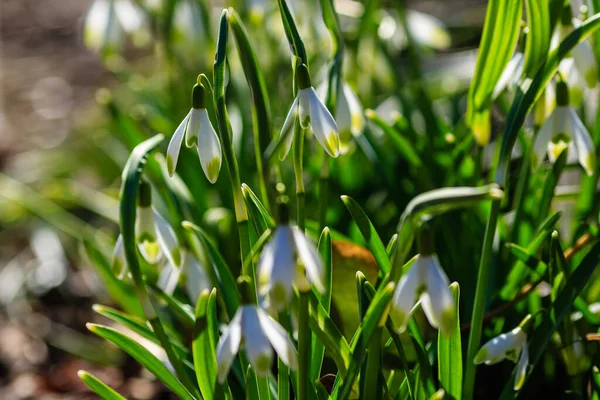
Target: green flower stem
(480,296)
(323,191)
(283,372)
(303,347)
(298,172)
(225,134)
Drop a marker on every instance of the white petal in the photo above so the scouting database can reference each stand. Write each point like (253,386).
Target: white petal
(496,349)
(522,368)
(405,296)
(583,143)
(130,16)
(357,119)
(175,145)
(511,74)
(229,345)
(276,268)
(585,62)
(442,301)
(279,339)
(428,30)
(167,239)
(322,123)
(146,238)
(309,256)
(258,348)
(209,148)
(288,130)
(550,128)
(304,107)
(197,278)
(192,128)
(168,278)
(119,262)
(101,29)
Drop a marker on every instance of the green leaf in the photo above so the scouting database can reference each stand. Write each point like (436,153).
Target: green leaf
(203,346)
(369,234)
(450,369)
(181,311)
(402,144)
(100,388)
(261,111)
(225,278)
(318,349)
(291,32)
(258,214)
(144,357)
(541,337)
(550,185)
(531,90)
(500,35)
(138,326)
(374,319)
(538,37)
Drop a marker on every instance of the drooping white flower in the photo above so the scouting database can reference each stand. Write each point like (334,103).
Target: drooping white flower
(427,282)
(199,133)
(197,279)
(288,260)
(312,113)
(511,74)
(348,114)
(107,22)
(260,334)
(564,130)
(582,54)
(153,235)
(508,346)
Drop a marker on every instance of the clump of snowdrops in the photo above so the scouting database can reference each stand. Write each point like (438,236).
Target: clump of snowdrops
(436,197)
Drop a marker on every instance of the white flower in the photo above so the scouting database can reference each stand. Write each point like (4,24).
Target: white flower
(425,29)
(312,113)
(560,129)
(288,260)
(197,279)
(259,332)
(199,133)
(511,74)
(153,235)
(507,346)
(425,281)
(107,21)
(582,54)
(348,113)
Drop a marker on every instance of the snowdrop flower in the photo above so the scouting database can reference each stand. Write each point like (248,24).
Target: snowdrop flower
(197,279)
(154,236)
(427,282)
(199,133)
(509,346)
(582,54)
(562,130)
(348,113)
(260,334)
(288,260)
(511,74)
(425,29)
(312,113)
(107,21)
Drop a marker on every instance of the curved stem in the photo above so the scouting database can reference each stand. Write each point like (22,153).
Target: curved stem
(303,347)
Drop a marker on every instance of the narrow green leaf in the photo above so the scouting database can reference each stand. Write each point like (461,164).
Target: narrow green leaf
(291,32)
(500,35)
(374,319)
(252,392)
(538,37)
(369,234)
(450,368)
(144,357)
(550,185)
(203,347)
(403,145)
(258,214)
(182,312)
(100,388)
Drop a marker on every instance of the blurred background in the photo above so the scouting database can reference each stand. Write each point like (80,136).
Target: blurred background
(76,98)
